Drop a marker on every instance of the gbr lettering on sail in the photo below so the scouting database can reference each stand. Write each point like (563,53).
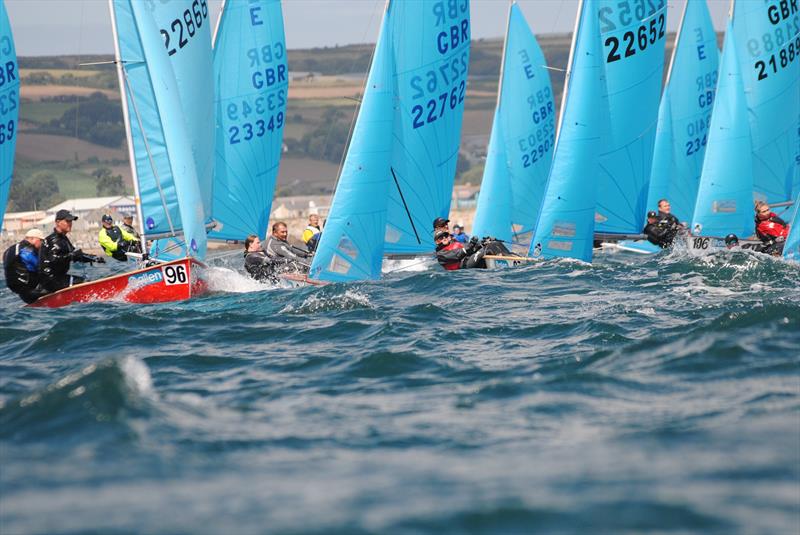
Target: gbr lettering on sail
(442,88)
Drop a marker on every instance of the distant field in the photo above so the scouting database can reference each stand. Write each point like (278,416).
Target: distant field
(57,73)
(38,92)
(42,112)
(305,177)
(47,148)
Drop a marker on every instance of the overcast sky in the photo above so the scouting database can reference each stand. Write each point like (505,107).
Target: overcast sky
(49,27)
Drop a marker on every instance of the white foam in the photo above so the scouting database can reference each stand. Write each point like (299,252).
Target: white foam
(221,279)
(137,376)
(350,299)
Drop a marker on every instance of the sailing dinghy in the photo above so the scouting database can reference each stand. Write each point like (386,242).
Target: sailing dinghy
(399,168)
(171,198)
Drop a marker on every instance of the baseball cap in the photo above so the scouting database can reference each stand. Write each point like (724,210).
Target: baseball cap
(35,233)
(440,222)
(652,213)
(127,216)
(64,214)
(107,217)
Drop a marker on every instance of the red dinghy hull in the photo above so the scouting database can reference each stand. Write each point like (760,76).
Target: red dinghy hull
(171,281)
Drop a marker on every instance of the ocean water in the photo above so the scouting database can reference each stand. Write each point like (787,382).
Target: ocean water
(634,395)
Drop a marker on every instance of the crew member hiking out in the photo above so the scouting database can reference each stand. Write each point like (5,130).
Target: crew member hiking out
(770,229)
(256,262)
(57,253)
(116,241)
(291,258)
(21,267)
(659,231)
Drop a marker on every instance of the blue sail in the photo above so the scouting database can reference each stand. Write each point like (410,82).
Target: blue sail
(185,30)
(565,227)
(162,159)
(522,139)
(9,106)
(493,213)
(351,246)
(768,37)
(685,113)
(633,36)
(430,49)
(725,197)
(791,249)
(251,77)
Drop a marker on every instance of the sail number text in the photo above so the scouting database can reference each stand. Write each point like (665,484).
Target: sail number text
(536,146)
(443,86)
(184,27)
(778,48)
(6,131)
(645,35)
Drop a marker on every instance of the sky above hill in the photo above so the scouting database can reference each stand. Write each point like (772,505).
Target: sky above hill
(50,27)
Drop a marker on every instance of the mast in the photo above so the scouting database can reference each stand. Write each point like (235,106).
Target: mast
(675,46)
(124,94)
(503,56)
(219,23)
(569,70)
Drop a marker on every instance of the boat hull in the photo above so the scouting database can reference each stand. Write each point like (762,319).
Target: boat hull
(162,283)
(504,261)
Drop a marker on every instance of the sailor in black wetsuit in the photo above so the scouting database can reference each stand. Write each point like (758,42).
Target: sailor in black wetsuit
(655,231)
(21,267)
(58,252)
(287,257)
(256,262)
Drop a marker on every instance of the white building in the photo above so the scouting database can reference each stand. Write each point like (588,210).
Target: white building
(89,211)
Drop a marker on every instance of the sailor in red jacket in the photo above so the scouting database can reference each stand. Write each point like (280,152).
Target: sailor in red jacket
(770,229)
(453,255)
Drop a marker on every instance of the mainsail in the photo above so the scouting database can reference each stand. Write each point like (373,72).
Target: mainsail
(251,77)
(9,106)
(768,37)
(430,51)
(565,227)
(633,37)
(162,159)
(351,246)
(725,197)
(685,113)
(522,139)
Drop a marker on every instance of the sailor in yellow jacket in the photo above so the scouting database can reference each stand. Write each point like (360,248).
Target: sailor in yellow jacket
(310,231)
(114,240)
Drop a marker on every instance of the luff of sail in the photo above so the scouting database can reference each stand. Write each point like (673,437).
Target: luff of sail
(522,139)
(725,196)
(161,157)
(351,246)
(185,28)
(633,36)
(685,113)
(791,249)
(9,106)
(430,49)
(768,38)
(565,227)
(251,77)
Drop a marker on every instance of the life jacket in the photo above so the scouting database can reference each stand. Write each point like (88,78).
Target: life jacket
(455,264)
(18,278)
(771,228)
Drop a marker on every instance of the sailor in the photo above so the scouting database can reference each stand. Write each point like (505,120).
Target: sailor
(21,267)
(57,253)
(277,247)
(459,235)
(311,230)
(441,224)
(453,255)
(658,231)
(256,262)
(127,226)
(770,229)
(665,214)
(114,240)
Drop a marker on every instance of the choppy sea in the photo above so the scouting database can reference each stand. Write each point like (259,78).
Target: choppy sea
(638,394)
